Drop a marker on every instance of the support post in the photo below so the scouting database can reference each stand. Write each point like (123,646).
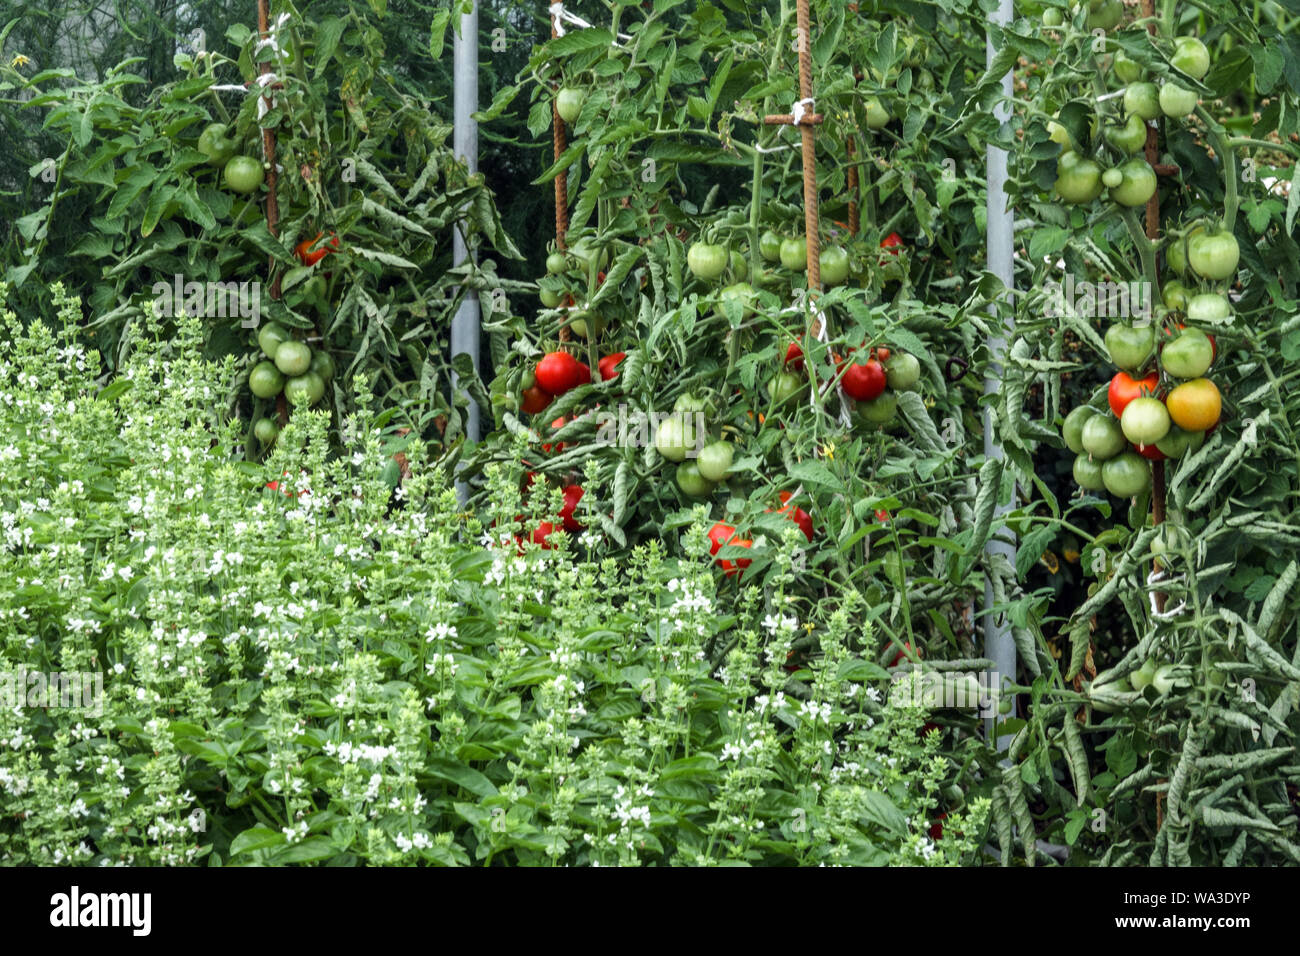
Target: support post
(1000,242)
(465,324)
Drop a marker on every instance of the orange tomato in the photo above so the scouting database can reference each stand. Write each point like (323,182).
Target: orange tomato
(1195,405)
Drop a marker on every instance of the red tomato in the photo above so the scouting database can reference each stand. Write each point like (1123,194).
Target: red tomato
(608,366)
(723,534)
(572,495)
(882,354)
(893,243)
(557,372)
(1124,388)
(541,533)
(309,256)
(902,655)
(535,400)
(794,356)
(882,515)
(800,517)
(275,486)
(864,382)
(556,426)
(936,828)
(1150,452)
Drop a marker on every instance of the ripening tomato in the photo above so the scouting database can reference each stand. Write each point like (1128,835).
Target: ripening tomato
(1124,388)
(310,254)
(1145,421)
(572,495)
(1196,405)
(795,514)
(721,535)
(535,399)
(608,366)
(794,356)
(556,425)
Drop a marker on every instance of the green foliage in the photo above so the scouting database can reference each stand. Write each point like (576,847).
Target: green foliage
(320,672)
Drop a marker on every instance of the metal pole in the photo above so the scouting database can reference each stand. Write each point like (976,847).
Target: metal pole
(465,325)
(1000,240)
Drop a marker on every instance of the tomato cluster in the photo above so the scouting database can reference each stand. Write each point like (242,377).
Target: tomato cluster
(290,366)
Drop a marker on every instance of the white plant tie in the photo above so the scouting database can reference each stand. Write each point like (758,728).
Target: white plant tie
(775,149)
(558,14)
(1155,577)
(798,110)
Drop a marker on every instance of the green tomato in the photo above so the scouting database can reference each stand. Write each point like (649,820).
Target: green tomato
(1179,442)
(877,115)
(1142,677)
(586,325)
(549,298)
(1171,538)
(243,174)
(1209,307)
(1072,430)
(1176,252)
(902,371)
(266,430)
(715,460)
(568,103)
(674,436)
(794,253)
(879,410)
(1142,99)
(293,358)
(743,294)
(585,252)
(739,266)
(1145,421)
(707,261)
(1129,138)
(1106,16)
(270,337)
(1131,347)
(1126,475)
(1052,17)
(692,483)
(1213,255)
(1190,56)
(1126,69)
(1175,101)
(1175,295)
(769,246)
(834,265)
(686,402)
(1078,180)
(1102,438)
(1111,178)
(1087,474)
(265,380)
(304,389)
(215,144)
(1189,355)
(556,264)
(1138,185)
(323,365)
(785,386)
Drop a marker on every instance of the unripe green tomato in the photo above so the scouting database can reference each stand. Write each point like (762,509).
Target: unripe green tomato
(794,253)
(568,103)
(1111,178)
(265,380)
(1072,430)
(1052,17)
(322,363)
(549,298)
(304,389)
(556,263)
(1126,475)
(1130,137)
(270,337)
(715,460)
(293,358)
(266,431)
(1142,99)
(688,403)
(902,371)
(674,436)
(739,266)
(1087,473)
(1175,296)
(879,410)
(877,115)
(691,482)
(1164,679)
(1176,102)
(1138,183)
(1190,56)
(1126,69)
(1102,438)
(769,246)
(1142,677)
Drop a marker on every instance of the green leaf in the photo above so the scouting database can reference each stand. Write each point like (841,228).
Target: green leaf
(461,775)
(255,838)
